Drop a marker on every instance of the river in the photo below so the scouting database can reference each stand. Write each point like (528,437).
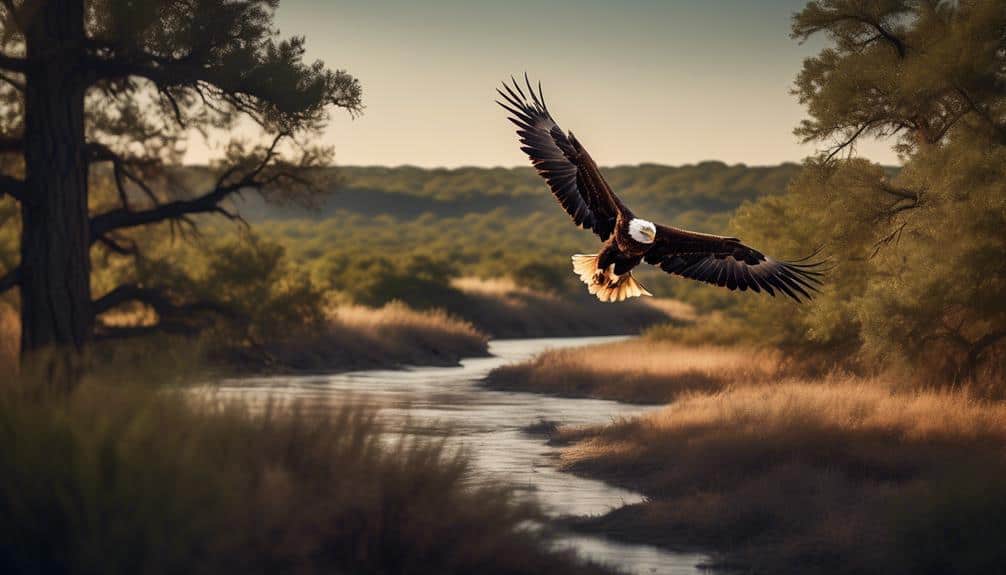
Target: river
(490,425)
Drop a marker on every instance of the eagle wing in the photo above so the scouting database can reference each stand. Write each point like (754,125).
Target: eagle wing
(726,262)
(568,169)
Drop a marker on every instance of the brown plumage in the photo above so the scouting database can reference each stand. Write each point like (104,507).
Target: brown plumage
(577,183)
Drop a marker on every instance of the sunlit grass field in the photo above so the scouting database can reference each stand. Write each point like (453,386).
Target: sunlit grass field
(357,337)
(638,371)
(833,474)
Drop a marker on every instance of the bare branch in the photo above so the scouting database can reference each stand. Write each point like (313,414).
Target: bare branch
(173,317)
(850,141)
(179,210)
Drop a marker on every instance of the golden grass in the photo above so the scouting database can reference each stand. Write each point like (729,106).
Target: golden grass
(837,474)
(505,310)
(118,479)
(501,286)
(639,371)
(357,337)
(840,475)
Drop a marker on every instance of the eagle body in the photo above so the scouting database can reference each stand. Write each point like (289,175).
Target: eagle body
(581,190)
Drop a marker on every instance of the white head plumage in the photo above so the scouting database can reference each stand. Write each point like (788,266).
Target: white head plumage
(642,231)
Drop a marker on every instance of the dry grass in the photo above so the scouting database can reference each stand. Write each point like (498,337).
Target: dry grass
(505,310)
(117,479)
(834,476)
(360,338)
(638,371)
(354,337)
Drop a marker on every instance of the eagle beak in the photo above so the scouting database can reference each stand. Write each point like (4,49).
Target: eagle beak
(652,234)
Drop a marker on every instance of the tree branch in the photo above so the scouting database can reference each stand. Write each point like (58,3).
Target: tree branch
(209,202)
(12,63)
(901,193)
(13,82)
(156,298)
(11,145)
(851,140)
(9,280)
(97,152)
(173,317)
(11,186)
(882,32)
(114,245)
(123,218)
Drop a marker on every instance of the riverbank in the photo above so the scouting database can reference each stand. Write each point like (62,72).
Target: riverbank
(395,335)
(635,371)
(505,310)
(355,338)
(779,474)
(129,476)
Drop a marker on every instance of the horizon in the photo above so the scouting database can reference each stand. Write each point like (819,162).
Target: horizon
(638,83)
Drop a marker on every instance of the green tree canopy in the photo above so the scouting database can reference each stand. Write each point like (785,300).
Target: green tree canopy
(919,279)
(99,98)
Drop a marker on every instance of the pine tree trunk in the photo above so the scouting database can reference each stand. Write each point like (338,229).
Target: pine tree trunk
(55,267)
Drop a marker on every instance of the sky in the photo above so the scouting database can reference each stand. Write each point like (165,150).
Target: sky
(663,81)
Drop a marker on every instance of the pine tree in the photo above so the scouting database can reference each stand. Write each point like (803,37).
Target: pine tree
(116,87)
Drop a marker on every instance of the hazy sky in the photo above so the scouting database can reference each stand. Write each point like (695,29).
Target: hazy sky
(666,81)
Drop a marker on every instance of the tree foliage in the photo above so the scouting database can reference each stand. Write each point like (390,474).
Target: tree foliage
(151,74)
(918,278)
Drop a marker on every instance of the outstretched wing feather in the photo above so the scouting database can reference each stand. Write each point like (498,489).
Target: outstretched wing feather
(726,262)
(566,167)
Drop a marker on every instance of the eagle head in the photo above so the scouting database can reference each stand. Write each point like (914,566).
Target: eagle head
(642,231)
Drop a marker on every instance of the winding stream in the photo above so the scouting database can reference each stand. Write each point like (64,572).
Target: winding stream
(490,424)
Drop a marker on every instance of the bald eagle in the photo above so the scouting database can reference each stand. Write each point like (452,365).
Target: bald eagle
(577,183)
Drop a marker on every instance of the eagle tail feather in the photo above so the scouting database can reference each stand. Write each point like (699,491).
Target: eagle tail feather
(612,287)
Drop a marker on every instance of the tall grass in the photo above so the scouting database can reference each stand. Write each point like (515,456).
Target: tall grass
(638,371)
(124,479)
(836,476)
